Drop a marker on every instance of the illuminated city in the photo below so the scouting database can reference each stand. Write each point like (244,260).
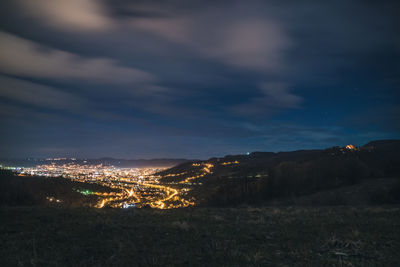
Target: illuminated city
(130,187)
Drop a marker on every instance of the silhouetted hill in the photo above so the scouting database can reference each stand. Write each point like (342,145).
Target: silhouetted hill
(261,177)
(44,191)
(388,145)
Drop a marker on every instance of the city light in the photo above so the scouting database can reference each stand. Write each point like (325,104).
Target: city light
(129,187)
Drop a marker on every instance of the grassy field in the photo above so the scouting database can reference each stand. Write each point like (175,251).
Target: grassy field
(247,236)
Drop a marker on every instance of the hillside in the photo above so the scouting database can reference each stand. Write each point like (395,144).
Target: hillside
(261,177)
(45,192)
(332,207)
(365,193)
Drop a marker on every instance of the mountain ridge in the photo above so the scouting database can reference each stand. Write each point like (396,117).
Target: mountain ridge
(260,177)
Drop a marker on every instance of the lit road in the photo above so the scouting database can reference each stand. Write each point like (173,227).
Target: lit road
(130,187)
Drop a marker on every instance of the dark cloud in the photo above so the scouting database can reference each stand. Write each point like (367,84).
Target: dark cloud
(38,95)
(274,96)
(25,58)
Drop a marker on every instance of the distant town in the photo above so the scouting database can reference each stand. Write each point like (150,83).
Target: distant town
(130,187)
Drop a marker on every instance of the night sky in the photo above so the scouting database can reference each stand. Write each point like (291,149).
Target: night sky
(195,79)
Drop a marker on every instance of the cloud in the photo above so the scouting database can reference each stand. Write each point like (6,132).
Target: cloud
(73,15)
(228,35)
(38,95)
(279,95)
(273,97)
(27,102)
(13,112)
(22,57)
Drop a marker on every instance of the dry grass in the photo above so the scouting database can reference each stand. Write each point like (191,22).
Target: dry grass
(247,236)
